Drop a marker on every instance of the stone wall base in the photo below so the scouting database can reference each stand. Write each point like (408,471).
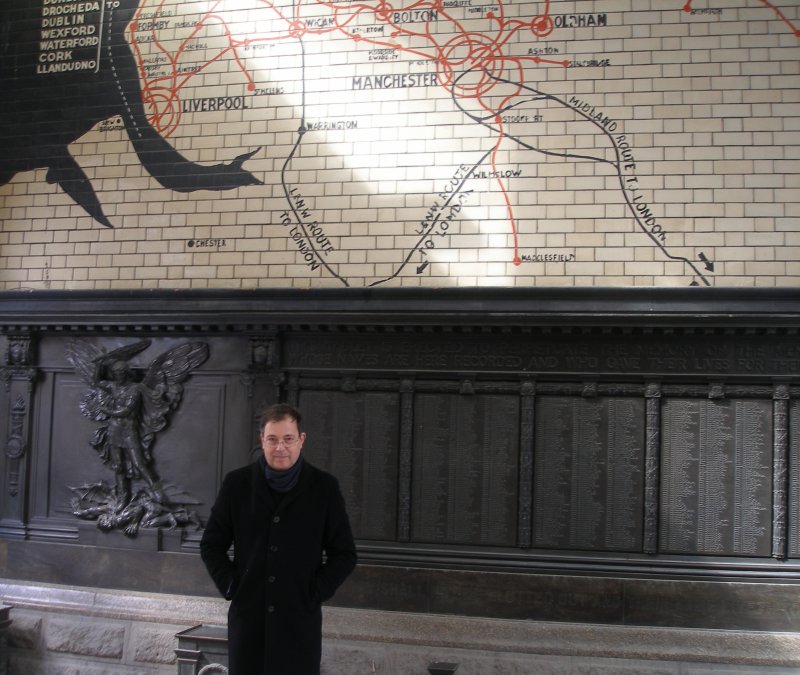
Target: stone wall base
(61,630)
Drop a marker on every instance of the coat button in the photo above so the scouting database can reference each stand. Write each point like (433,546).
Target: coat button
(271,580)
(273,548)
(271,609)
(276,519)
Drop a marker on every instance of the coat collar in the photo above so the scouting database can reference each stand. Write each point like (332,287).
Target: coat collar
(267,497)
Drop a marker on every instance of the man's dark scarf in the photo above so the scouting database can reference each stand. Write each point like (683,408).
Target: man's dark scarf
(283,481)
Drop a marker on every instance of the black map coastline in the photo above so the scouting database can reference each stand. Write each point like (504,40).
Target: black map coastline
(46,111)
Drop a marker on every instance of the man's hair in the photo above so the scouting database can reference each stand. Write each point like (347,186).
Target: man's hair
(278,412)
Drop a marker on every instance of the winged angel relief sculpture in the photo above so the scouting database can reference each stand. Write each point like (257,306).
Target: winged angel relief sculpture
(130,408)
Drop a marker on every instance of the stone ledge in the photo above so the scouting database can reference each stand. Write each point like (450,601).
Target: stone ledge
(565,639)
(113,604)
(392,629)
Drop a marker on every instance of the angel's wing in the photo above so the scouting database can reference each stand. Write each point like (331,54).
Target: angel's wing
(174,365)
(83,355)
(162,388)
(126,352)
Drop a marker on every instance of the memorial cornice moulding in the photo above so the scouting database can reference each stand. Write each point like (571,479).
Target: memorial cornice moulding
(253,311)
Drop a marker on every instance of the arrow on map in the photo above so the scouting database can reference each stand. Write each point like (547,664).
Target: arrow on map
(709,265)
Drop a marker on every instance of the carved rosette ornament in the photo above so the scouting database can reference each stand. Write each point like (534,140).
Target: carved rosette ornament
(130,407)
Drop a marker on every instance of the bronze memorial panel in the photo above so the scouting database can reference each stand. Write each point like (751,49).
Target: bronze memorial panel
(716,468)
(465,475)
(355,436)
(588,473)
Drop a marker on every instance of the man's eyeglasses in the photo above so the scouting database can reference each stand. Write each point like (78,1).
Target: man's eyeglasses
(286,441)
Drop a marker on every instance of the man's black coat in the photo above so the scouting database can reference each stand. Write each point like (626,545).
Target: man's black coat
(278,577)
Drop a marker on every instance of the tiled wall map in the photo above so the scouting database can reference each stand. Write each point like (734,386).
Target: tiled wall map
(357,143)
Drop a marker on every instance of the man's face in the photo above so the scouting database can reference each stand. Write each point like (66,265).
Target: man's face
(282,443)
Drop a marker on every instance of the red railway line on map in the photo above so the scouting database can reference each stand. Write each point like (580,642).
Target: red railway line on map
(472,66)
(769,5)
(479,53)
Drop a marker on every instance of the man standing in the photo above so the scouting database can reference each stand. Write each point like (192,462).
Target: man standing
(293,547)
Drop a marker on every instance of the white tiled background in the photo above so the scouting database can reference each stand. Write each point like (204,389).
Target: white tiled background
(707,100)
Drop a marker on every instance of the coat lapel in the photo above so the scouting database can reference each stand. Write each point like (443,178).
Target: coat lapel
(264,499)
(303,485)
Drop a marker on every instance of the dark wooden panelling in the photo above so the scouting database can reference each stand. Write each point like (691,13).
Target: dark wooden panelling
(582,455)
